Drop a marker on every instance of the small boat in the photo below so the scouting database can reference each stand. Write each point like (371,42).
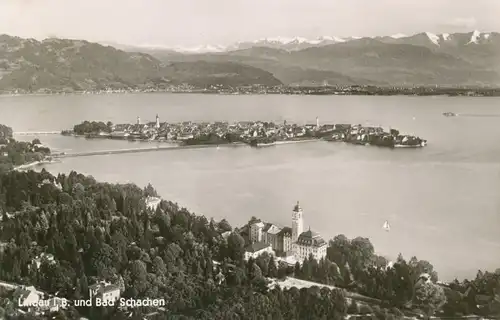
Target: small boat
(386,226)
(449,114)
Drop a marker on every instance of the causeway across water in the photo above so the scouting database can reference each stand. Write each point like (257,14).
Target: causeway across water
(137,150)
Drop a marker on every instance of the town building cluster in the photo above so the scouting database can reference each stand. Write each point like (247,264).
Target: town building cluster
(254,133)
(242,130)
(293,244)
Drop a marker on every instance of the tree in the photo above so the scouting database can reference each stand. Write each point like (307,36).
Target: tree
(149,191)
(272,270)
(224,226)
(394,132)
(235,246)
(353,308)
(430,297)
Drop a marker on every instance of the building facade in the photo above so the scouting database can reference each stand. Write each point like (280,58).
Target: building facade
(108,293)
(256,232)
(288,241)
(309,243)
(256,249)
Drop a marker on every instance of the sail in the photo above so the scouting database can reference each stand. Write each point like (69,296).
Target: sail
(386,226)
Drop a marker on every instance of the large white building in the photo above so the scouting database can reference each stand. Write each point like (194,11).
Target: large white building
(289,241)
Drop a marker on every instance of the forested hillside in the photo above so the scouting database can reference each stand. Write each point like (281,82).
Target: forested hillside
(99,231)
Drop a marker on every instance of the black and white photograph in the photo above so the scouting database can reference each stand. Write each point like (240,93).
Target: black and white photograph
(249,159)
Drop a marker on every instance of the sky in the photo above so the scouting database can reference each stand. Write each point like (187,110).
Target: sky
(201,22)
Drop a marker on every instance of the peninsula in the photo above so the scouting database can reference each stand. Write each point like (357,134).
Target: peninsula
(20,155)
(253,133)
(66,239)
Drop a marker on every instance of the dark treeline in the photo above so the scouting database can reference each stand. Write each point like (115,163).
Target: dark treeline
(5,132)
(15,153)
(88,127)
(100,231)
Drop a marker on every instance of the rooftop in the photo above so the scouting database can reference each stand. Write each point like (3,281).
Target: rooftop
(257,246)
(285,231)
(310,238)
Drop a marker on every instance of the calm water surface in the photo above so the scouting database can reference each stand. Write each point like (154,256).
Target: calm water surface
(443,202)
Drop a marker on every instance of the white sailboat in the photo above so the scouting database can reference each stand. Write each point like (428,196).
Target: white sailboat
(387,226)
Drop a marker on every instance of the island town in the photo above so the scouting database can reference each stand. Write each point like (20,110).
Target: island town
(253,133)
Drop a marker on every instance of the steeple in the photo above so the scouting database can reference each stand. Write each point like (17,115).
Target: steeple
(138,120)
(157,125)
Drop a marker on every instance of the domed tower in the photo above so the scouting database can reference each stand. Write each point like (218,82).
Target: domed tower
(297,222)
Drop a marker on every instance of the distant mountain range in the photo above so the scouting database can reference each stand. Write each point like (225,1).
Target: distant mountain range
(424,59)
(29,65)
(300,43)
(467,59)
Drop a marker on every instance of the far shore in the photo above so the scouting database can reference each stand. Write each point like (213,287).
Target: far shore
(294,90)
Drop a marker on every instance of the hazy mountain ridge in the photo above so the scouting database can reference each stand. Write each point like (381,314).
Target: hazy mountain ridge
(76,65)
(469,59)
(300,43)
(465,59)
(275,62)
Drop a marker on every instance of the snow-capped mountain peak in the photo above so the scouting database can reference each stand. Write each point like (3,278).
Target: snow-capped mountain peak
(298,40)
(475,36)
(184,49)
(398,36)
(433,38)
(300,43)
(203,48)
(282,40)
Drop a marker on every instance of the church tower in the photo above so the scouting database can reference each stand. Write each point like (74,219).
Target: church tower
(157,125)
(297,222)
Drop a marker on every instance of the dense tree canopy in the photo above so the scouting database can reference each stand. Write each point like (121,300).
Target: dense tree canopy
(15,153)
(100,231)
(87,127)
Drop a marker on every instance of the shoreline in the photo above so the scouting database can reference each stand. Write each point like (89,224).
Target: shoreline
(30,165)
(166,148)
(477,93)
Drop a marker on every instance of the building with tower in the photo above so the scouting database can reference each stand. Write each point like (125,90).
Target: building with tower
(287,241)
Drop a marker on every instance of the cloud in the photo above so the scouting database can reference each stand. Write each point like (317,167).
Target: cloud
(465,23)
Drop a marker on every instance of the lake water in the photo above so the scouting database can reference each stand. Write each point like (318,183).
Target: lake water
(442,201)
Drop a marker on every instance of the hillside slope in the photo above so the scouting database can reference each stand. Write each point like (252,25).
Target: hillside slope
(75,65)
(421,59)
(273,61)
